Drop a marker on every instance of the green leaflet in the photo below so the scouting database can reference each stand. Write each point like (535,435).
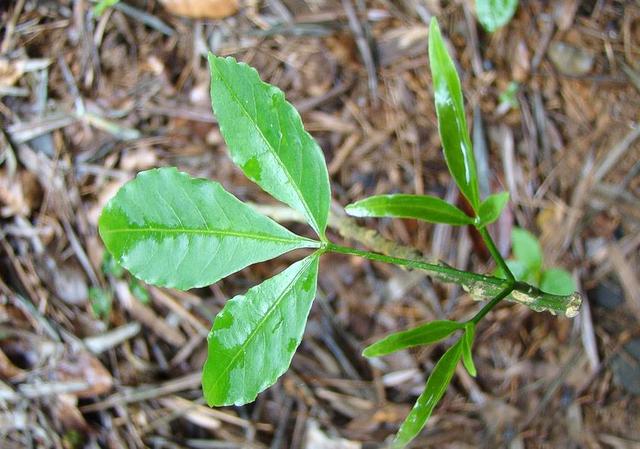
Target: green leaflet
(492,207)
(256,334)
(467,346)
(433,392)
(557,281)
(267,140)
(102,6)
(527,249)
(421,335)
(172,230)
(421,207)
(492,14)
(452,123)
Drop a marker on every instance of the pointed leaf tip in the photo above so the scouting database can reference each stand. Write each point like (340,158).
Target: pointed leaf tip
(424,334)
(434,390)
(267,140)
(172,230)
(255,336)
(467,346)
(491,208)
(452,122)
(422,207)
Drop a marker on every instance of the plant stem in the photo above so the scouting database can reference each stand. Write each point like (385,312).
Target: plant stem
(443,272)
(486,237)
(491,304)
(478,286)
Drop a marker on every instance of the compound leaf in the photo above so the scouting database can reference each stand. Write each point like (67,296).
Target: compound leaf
(452,123)
(527,250)
(421,207)
(492,207)
(172,230)
(433,392)
(256,334)
(267,140)
(492,14)
(421,335)
(557,281)
(467,345)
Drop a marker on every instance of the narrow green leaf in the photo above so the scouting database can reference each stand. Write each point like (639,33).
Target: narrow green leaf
(527,249)
(433,392)
(452,123)
(492,14)
(557,281)
(421,207)
(267,140)
(172,230)
(421,335)
(256,334)
(467,345)
(492,207)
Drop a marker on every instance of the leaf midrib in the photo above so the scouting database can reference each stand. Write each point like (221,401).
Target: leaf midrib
(270,146)
(224,233)
(260,324)
(427,208)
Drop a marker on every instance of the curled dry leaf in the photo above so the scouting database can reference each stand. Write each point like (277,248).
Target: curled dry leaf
(201,9)
(84,367)
(65,409)
(19,194)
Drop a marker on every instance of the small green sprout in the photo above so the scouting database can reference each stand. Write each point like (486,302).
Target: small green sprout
(527,265)
(493,14)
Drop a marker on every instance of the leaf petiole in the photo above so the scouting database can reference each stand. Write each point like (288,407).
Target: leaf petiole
(486,237)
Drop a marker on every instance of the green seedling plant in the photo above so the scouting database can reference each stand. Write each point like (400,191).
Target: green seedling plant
(172,230)
(526,265)
(494,14)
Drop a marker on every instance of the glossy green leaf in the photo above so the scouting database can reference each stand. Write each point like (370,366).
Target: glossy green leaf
(433,392)
(267,140)
(256,334)
(557,281)
(452,123)
(421,335)
(421,207)
(467,346)
(492,207)
(493,14)
(172,230)
(527,249)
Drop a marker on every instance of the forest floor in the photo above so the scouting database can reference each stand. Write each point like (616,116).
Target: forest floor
(90,357)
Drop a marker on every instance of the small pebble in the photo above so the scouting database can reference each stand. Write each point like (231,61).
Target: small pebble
(570,60)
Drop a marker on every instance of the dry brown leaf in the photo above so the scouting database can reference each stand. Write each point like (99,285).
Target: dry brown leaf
(83,367)
(10,72)
(201,9)
(317,439)
(66,411)
(18,194)
(7,369)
